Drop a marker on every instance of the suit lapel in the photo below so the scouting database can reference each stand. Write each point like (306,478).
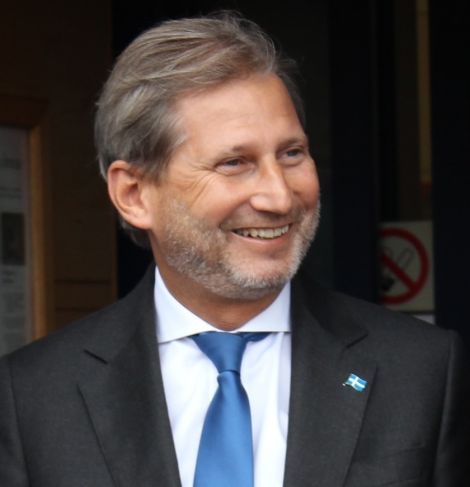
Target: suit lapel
(325,416)
(123,392)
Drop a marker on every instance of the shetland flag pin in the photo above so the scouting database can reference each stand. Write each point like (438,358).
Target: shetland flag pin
(355,382)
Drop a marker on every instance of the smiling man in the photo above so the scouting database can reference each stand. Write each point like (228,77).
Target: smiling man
(220,369)
(232,215)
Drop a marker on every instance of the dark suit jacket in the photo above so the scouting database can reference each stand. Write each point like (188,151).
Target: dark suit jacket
(85,406)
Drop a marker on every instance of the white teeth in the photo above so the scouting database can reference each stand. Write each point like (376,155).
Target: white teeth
(266,233)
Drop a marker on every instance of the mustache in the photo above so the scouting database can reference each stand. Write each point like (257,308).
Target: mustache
(260,219)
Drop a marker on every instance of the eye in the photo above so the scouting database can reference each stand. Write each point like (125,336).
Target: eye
(293,155)
(233,166)
(293,152)
(232,163)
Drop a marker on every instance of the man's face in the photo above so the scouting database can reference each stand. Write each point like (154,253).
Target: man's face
(237,207)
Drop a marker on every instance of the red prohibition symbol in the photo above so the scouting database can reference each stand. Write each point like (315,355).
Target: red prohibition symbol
(412,286)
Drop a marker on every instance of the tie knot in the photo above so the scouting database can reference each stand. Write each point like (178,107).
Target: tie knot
(225,350)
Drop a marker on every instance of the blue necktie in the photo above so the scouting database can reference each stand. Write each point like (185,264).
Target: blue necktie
(225,456)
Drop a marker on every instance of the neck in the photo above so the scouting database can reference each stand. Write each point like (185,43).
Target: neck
(224,313)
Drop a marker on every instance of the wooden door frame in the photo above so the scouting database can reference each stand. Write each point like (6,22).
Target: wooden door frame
(30,114)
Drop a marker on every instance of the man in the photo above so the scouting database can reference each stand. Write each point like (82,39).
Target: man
(200,137)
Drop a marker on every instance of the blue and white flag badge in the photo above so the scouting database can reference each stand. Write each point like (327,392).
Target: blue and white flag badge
(356,382)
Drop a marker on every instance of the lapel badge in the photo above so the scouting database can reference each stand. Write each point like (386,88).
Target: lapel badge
(355,382)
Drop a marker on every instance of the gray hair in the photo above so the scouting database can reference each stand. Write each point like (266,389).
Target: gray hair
(136,119)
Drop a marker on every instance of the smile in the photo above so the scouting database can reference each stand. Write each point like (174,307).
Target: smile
(265,233)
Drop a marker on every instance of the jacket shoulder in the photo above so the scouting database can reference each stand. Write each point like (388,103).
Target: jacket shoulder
(112,324)
(387,331)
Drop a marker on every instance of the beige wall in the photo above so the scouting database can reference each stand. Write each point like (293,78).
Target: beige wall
(59,53)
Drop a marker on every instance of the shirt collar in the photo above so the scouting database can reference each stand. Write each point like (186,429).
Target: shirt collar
(174,321)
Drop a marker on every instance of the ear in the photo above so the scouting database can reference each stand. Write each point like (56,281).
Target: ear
(126,187)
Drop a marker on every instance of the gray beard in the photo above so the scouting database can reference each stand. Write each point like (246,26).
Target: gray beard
(199,253)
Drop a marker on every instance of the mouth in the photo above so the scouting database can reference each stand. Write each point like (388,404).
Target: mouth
(262,233)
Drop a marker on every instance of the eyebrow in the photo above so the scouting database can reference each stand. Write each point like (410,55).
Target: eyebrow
(295,140)
(285,143)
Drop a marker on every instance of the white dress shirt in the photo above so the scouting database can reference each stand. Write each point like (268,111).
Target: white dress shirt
(190,382)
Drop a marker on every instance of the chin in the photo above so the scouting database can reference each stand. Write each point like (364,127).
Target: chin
(254,285)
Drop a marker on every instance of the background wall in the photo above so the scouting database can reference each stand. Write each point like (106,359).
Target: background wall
(59,54)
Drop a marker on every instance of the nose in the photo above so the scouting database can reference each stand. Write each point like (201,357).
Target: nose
(273,193)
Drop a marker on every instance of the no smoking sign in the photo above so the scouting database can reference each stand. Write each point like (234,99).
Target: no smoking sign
(406,266)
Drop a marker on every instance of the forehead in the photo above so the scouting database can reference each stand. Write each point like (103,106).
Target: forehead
(258,105)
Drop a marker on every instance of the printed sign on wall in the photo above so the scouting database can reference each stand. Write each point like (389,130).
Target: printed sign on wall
(406,258)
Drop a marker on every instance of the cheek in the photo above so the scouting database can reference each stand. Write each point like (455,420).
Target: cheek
(306,187)
(217,204)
